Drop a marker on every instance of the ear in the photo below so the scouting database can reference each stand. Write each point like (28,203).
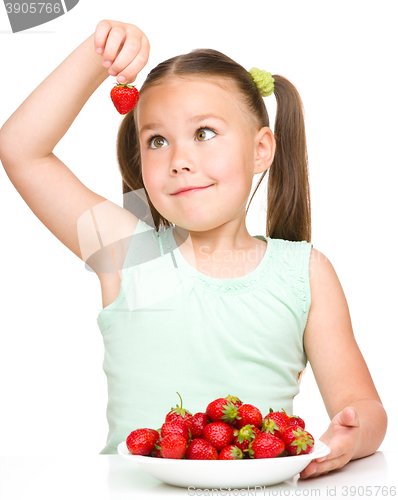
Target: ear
(265,150)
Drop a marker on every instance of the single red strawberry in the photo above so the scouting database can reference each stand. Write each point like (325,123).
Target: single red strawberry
(297,441)
(266,446)
(222,410)
(178,412)
(233,399)
(294,419)
(230,452)
(196,424)
(218,434)
(200,449)
(142,441)
(275,422)
(124,97)
(173,446)
(245,436)
(248,415)
(175,427)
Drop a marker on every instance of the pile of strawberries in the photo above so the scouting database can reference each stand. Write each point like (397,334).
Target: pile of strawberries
(228,430)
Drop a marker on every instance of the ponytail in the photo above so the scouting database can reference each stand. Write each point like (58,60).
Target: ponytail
(288,202)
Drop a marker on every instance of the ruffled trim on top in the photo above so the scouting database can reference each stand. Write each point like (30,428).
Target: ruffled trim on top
(303,281)
(240,285)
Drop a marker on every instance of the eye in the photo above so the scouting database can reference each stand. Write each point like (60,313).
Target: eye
(201,133)
(158,141)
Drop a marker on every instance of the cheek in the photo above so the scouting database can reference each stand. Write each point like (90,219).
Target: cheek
(150,175)
(229,169)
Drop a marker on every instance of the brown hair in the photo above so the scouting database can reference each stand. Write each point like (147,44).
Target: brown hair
(288,203)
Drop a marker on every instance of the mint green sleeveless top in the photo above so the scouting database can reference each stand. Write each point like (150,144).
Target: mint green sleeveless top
(173,328)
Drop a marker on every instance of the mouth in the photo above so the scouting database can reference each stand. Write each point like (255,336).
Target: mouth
(190,190)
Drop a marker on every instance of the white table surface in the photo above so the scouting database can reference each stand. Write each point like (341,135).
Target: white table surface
(111,477)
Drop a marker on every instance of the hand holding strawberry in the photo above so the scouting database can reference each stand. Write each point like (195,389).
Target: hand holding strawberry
(125,51)
(343,437)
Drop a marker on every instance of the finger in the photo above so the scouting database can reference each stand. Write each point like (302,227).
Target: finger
(114,42)
(130,51)
(329,465)
(100,36)
(338,447)
(338,455)
(349,417)
(130,72)
(309,470)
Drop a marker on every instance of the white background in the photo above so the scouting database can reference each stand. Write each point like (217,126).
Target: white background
(341,56)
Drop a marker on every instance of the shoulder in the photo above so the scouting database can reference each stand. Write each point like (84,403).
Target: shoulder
(322,274)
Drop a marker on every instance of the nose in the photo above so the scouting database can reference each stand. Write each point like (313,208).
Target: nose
(181,159)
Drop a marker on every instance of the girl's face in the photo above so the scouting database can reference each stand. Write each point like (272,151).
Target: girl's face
(193,132)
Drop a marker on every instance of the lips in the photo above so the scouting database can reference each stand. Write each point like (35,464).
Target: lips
(190,188)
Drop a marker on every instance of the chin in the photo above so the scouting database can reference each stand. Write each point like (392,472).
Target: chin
(195,226)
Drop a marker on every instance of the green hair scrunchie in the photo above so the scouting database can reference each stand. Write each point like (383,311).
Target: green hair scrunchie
(263,80)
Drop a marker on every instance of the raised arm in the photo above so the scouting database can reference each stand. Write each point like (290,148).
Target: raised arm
(28,137)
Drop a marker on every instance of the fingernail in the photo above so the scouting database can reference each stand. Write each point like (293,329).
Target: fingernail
(107,64)
(99,50)
(112,73)
(121,79)
(321,459)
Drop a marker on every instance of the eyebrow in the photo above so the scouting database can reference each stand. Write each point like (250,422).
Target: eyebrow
(197,118)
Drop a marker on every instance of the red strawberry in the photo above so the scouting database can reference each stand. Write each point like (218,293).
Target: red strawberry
(233,399)
(230,452)
(142,441)
(178,412)
(297,441)
(196,424)
(175,427)
(124,97)
(248,415)
(200,449)
(266,446)
(218,434)
(294,419)
(275,422)
(222,410)
(173,446)
(245,436)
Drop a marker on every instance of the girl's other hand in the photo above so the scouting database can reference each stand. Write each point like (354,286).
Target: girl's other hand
(125,49)
(342,437)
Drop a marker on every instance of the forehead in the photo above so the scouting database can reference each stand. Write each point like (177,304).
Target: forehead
(181,98)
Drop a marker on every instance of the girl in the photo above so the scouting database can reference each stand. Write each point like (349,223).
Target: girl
(191,301)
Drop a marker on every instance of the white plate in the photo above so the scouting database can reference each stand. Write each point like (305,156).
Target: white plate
(224,473)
